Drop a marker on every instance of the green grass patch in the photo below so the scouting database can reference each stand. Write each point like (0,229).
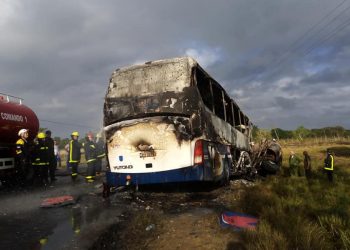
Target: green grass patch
(297,213)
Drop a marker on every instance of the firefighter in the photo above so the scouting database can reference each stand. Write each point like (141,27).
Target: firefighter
(52,158)
(74,154)
(90,156)
(22,156)
(329,165)
(100,148)
(41,160)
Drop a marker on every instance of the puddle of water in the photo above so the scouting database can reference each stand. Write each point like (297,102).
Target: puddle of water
(69,228)
(64,233)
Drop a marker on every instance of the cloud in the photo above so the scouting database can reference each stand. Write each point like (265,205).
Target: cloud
(59,55)
(54,104)
(286,103)
(206,57)
(7,10)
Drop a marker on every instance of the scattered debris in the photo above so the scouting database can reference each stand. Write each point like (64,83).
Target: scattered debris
(242,182)
(137,198)
(150,227)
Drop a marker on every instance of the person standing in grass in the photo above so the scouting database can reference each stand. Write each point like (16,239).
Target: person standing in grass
(294,163)
(329,165)
(307,164)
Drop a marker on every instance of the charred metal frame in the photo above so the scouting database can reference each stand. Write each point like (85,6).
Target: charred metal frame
(189,102)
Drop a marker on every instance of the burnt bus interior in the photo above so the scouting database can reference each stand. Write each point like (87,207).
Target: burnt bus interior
(216,99)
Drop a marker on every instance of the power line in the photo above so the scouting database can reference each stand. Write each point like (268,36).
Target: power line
(339,28)
(293,46)
(300,46)
(323,39)
(311,30)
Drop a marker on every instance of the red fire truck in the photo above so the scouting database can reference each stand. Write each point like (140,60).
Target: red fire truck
(14,115)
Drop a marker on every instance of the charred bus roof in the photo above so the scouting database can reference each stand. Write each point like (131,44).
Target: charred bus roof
(172,86)
(151,78)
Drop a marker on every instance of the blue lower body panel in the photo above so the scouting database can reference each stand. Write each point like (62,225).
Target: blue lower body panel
(187,174)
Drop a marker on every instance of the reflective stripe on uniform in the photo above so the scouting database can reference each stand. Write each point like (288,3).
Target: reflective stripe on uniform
(19,144)
(71,151)
(100,156)
(89,177)
(331,166)
(91,160)
(74,174)
(41,164)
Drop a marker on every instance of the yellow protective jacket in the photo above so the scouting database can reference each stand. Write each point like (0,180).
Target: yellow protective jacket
(74,151)
(22,149)
(329,162)
(41,154)
(90,151)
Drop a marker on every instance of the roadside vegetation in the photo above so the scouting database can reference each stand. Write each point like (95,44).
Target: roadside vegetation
(297,213)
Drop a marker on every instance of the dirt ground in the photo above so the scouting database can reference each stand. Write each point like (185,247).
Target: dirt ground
(185,218)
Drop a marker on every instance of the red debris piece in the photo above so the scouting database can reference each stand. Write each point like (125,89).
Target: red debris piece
(238,221)
(58,201)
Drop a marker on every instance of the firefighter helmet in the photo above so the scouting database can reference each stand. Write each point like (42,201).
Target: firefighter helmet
(41,135)
(22,131)
(75,133)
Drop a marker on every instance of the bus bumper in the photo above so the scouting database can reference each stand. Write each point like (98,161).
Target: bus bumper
(187,174)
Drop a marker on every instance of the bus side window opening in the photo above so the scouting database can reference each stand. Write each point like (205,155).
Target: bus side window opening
(218,102)
(228,109)
(203,85)
(236,116)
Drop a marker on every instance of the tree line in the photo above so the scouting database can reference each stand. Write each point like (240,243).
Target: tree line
(300,133)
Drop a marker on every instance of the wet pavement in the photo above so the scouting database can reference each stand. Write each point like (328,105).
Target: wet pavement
(25,225)
(91,220)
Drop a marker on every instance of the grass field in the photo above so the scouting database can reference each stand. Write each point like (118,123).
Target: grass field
(296,213)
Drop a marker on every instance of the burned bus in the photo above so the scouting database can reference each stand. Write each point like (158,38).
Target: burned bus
(169,121)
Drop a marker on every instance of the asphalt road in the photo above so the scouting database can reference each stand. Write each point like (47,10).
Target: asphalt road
(93,222)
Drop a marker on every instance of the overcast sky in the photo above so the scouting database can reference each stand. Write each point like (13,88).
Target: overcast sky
(285,62)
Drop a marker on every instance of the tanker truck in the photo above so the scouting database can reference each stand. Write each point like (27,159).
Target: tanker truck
(14,115)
